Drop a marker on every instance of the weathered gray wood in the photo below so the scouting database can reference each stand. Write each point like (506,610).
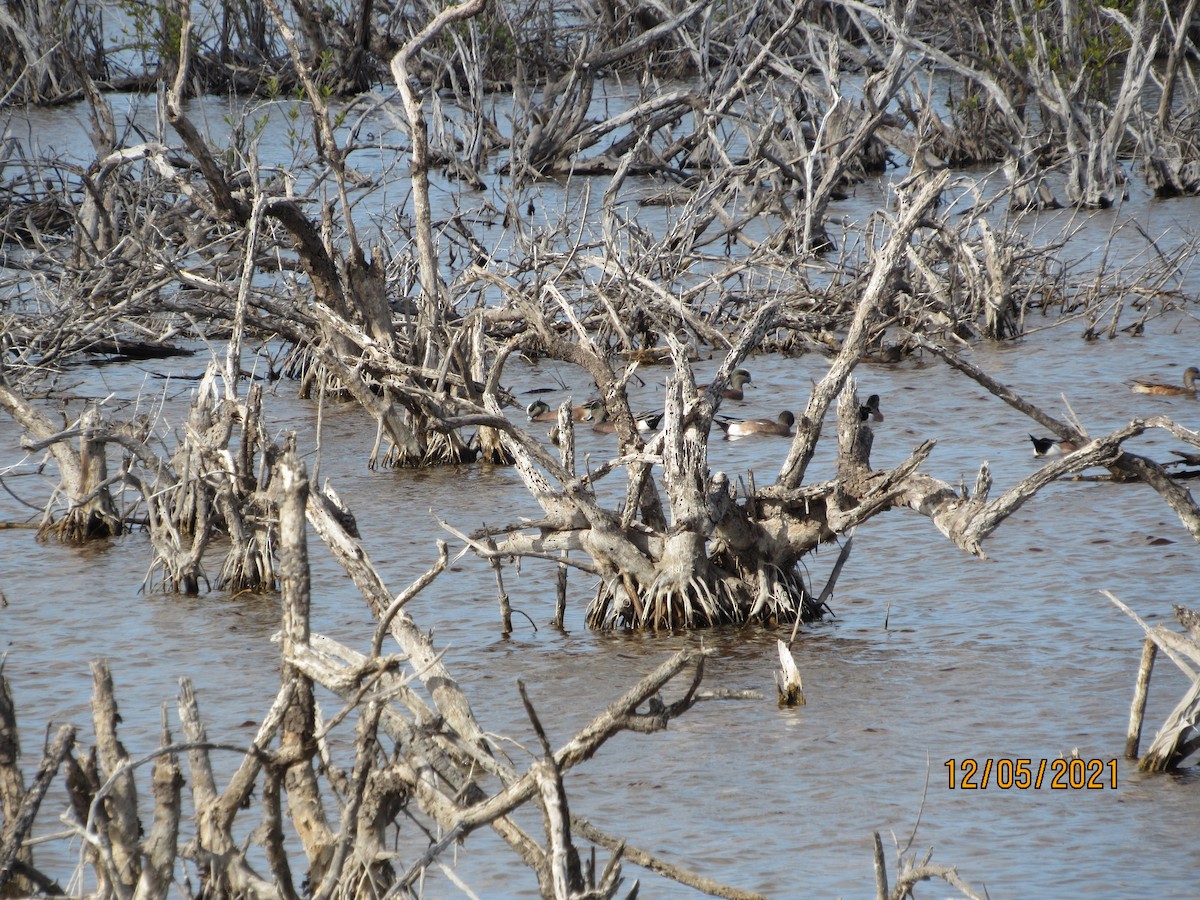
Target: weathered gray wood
(215,849)
(1141,690)
(1181,728)
(297,744)
(18,806)
(12,787)
(416,644)
(160,845)
(359,848)
(241,784)
(881,876)
(788,680)
(809,425)
(123,827)
(1180,725)
(84,479)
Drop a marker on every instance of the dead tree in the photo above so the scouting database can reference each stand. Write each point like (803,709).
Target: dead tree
(911,871)
(709,555)
(418,751)
(44,47)
(712,559)
(84,483)
(1170,152)
(191,494)
(20,804)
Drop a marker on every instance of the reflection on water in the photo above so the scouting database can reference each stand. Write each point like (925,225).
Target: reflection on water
(932,655)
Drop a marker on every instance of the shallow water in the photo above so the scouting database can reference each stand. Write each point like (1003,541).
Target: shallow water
(1014,656)
(932,656)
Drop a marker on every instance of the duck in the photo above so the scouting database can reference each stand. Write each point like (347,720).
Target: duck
(1142,386)
(782,425)
(870,410)
(1047,446)
(893,353)
(738,379)
(540,411)
(604,425)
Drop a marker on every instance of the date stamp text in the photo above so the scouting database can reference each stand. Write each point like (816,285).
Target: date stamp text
(1009,773)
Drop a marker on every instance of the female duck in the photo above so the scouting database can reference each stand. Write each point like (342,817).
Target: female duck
(742,427)
(1141,386)
(738,379)
(604,425)
(540,411)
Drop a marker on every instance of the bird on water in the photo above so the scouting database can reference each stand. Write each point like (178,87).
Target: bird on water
(738,379)
(604,425)
(782,425)
(540,411)
(870,410)
(1142,386)
(1046,446)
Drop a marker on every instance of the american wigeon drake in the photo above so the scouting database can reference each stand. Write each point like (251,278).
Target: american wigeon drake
(738,379)
(540,411)
(1141,386)
(604,425)
(782,425)
(1047,446)
(870,410)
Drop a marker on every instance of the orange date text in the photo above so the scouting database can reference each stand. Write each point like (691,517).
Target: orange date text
(1011,773)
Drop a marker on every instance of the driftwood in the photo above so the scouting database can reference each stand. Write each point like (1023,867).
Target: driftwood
(788,681)
(405,747)
(20,805)
(1179,737)
(911,871)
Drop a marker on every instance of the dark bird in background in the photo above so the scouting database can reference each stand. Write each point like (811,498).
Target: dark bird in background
(870,410)
(1185,458)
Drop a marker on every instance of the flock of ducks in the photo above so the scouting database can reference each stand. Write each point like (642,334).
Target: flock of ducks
(782,425)
(593,411)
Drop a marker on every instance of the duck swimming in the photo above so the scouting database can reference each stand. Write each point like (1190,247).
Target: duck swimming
(1045,446)
(738,379)
(782,425)
(1142,386)
(604,425)
(540,411)
(870,410)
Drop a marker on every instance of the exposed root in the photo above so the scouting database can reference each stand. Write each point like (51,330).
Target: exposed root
(79,525)
(250,567)
(438,449)
(783,597)
(700,602)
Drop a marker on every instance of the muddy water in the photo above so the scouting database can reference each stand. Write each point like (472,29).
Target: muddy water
(933,655)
